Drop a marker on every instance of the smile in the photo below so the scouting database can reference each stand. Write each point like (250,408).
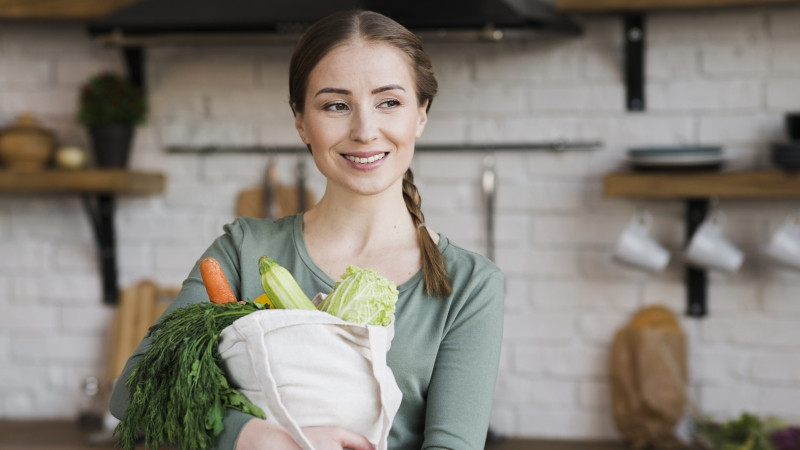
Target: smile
(368,160)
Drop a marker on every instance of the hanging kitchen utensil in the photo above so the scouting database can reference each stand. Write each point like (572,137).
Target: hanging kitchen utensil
(302,201)
(268,190)
(489,190)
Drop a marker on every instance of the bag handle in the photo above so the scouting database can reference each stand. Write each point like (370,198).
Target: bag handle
(379,339)
(277,411)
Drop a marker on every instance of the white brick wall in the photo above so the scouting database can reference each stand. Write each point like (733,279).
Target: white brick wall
(715,77)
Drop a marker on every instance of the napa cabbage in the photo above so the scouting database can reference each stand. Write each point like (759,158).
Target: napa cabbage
(363,297)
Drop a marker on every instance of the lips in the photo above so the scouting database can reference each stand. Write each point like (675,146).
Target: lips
(365,159)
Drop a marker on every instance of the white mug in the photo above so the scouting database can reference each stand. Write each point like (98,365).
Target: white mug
(784,246)
(708,247)
(636,247)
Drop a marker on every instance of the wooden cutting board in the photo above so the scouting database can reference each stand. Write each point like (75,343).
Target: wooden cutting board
(139,307)
(250,202)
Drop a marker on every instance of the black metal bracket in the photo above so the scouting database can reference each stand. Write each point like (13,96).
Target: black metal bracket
(696,279)
(634,61)
(134,64)
(100,209)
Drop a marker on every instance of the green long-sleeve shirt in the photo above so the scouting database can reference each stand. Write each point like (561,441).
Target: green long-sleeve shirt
(444,354)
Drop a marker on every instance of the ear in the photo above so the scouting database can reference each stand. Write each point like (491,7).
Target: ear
(423,118)
(300,127)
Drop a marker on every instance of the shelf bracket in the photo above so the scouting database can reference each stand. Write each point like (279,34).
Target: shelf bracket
(134,65)
(696,279)
(100,209)
(634,61)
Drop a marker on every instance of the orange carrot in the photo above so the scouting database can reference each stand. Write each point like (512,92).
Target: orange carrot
(217,287)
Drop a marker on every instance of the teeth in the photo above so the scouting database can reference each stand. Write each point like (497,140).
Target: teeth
(373,158)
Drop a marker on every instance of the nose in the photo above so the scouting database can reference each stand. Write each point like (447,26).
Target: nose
(363,126)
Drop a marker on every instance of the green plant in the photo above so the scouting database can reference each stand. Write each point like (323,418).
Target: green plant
(747,432)
(110,99)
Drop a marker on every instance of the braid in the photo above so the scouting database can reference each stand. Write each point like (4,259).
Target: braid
(436,282)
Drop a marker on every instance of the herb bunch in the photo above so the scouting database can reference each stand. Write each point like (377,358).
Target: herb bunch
(179,392)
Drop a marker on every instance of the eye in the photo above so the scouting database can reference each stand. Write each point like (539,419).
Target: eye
(392,103)
(335,106)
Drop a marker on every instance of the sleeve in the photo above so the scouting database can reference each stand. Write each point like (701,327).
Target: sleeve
(225,250)
(462,385)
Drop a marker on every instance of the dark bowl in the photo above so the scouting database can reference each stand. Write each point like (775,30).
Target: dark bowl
(785,148)
(786,161)
(793,125)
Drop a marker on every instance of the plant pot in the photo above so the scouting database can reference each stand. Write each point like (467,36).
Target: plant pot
(111,145)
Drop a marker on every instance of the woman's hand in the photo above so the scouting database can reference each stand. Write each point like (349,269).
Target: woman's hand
(336,438)
(259,434)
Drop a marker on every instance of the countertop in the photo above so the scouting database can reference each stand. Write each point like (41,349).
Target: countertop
(68,435)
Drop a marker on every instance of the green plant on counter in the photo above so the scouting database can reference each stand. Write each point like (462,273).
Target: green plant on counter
(747,432)
(111,99)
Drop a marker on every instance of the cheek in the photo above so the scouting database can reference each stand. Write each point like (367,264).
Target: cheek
(320,134)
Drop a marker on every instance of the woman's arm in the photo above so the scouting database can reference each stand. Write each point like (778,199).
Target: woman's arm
(463,381)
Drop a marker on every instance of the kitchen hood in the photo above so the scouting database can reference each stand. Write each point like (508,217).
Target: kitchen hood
(174,21)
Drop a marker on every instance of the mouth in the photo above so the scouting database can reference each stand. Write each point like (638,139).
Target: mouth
(365,159)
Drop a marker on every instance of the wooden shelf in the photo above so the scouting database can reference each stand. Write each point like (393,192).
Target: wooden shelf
(101,181)
(59,9)
(600,6)
(750,184)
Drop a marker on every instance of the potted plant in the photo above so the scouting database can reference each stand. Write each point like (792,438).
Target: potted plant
(110,106)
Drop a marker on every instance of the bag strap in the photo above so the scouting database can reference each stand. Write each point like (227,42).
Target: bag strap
(379,338)
(277,412)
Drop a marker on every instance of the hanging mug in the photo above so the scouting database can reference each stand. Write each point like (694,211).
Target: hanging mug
(784,245)
(709,249)
(637,247)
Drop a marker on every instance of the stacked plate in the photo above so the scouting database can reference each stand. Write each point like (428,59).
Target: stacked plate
(786,155)
(683,158)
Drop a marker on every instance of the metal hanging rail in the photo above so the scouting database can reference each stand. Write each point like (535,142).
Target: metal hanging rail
(553,146)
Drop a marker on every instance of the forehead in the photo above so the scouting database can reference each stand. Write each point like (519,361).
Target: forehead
(361,61)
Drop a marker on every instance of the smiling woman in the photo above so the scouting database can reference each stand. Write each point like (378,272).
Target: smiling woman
(360,89)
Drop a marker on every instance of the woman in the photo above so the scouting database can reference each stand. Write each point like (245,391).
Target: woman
(360,90)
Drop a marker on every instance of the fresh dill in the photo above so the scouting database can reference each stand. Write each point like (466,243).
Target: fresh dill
(178,389)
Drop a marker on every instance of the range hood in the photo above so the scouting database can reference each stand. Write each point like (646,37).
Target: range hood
(174,21)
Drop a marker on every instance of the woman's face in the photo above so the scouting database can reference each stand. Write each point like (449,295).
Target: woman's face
(361,116)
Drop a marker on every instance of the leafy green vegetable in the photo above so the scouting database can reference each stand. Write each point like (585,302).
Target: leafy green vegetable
(362,297)
(747,432)
(179,392)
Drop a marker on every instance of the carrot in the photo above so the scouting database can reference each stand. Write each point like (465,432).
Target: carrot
(217,287)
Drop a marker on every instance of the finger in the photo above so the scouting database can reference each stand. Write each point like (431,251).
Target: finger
(355,441)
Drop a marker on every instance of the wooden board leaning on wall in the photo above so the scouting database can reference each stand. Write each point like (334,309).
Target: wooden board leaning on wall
(599,6)
(59,9)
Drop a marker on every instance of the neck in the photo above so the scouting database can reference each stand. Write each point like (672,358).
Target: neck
(360,221)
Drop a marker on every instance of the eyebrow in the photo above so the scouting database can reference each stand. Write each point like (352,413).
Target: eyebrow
(331,90)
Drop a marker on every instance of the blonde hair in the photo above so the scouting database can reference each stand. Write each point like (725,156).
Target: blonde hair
(339,28)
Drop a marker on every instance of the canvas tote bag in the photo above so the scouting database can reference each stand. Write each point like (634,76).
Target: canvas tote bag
(310,368)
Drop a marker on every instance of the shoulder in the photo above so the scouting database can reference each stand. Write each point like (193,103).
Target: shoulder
(244,228)
(461,262)
(476,280)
